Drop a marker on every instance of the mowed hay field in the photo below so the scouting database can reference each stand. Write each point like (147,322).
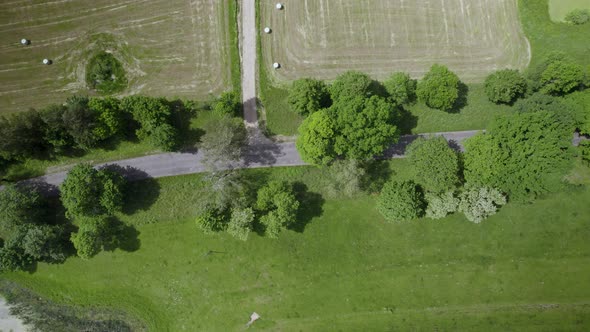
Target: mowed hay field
(170,48)
(558,9)
(323,38)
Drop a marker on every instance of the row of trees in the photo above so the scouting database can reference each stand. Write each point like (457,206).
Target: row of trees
(83,123)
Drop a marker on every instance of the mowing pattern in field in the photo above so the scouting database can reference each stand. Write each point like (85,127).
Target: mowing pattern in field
(322,38)
(558,9)
(173,48)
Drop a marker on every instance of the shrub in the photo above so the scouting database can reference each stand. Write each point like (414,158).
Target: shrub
(561,77)
(152,113)
(479,203)
(308,96)
(21,135)
(351,84)
(19,206)
(441,205)
(240,223)
(278,207)
(81,121)
(227,104)
(211,220)
(345,177)
(439,88)
(584,150)
(56,129)
(436,164)
(578,16)
(401,201)
(316,138)
(400,87)
(111,119)
(505,86)
(105,73)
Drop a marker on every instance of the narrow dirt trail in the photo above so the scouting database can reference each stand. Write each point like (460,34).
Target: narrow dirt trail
(248,49)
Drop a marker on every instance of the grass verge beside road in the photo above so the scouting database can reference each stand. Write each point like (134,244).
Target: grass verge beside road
(525,268)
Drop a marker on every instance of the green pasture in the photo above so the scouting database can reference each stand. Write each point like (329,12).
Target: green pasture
(558,9)
(343,268)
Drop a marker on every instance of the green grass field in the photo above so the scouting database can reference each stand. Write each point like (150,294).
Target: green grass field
(558,9)
(524,269)
(169,48)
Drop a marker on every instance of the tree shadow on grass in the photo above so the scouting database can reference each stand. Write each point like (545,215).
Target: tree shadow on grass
(182,114)
(377,173)
(141,191)
(461,101)
(125,237)
(406,121)
(310,206)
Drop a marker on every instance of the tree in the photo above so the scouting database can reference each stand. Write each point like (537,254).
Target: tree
(151,114)
(111,119)
(401,201)
(228,104)
(435,163)
(315,142)
(578,16)
(278,207)
(523,154)
(568,113)
(240,223)
(81,122)
(21,135)
(584,151)
(439,88)
(88,192)
(505,86)
(308,96)
(44,242)
(223,142)
(211,219)
(94,234)
(55,130)
(365,127)
(480,203)
(351,84)
(400,87)
(19,206)
(13,258)
(561,77)
(440,205)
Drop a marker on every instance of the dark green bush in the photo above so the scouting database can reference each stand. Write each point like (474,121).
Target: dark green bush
(105,73)
(578,16)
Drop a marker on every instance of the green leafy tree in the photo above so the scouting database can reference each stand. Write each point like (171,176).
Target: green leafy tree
(105,73)
(315,142)
(578,103)
(365,127)
(55,129)
(352,84)
(401,201)
(44,242)
(440,205)
(435,163)
(223,142)
(151,114)
(227,104)
(568,113)
(439,88)
(88,192)
(308,96)
(523,154)
(584,151)
(561,77)
(240,223)
(13,258)
(81,122)
(21,135)
(480,203)
(94,234)
(578,16)
(400,87)
(19,206)
(111,119)
(278,206)
(505,86)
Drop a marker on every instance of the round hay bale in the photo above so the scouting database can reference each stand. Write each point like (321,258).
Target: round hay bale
(276,65)
(25,41)
(47,62)
(280,6)
(267,30)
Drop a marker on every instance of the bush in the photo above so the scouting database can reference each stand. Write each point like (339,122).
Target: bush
(211,220)
(441,205)
(308,96)
(401,88)
(561,77)
(240,223)
(55,129)
(94,234)
(151,114)
(227,104)
(111,119)
(80,122)
(345,178)
(479,203)
(584,150)
(351,84)
(505,86)
(401,201)
(315,142)
(439,88)
(105,73)
(278,206)
(578,16)
(19,206)
(21,135)
(436,164)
